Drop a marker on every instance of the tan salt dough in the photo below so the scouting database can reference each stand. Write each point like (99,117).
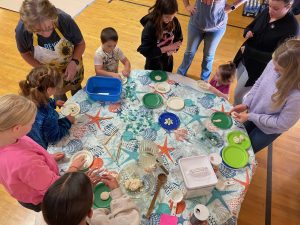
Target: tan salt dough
(236,140)
(104,195)
(157,78)
(133,184)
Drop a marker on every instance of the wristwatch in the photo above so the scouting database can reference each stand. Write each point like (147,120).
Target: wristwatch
(232,7)
(76,61)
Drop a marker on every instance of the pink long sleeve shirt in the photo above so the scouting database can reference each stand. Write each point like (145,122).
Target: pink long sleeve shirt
(27,170)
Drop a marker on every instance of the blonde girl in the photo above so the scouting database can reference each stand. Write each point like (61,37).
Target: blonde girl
(273,103)
(26,169)
(41,83)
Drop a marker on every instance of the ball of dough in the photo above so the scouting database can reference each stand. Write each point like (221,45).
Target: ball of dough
(104,195)
(236,140)
(133,184)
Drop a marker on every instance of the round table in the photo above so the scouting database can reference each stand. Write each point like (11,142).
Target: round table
(129,122)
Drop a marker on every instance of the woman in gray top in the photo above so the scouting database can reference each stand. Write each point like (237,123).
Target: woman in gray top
(273,104)
(207,23)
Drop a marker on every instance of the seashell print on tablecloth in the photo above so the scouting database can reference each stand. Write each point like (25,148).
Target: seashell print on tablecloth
(73,146)
(131,145)
(191,109)
(85,106)
(110,129)
(150,134)
(226,171)
(145,80)
(206,102)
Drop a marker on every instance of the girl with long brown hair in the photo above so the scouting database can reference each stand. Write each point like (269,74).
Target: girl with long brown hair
(161,36)
(41,83)
(273,103)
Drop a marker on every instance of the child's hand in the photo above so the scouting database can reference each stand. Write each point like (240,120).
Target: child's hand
(241,117)
(110,181)
(93,174)
(239,108)
(71,119)
(58,156)
(249,34)
(59,103)
(126,73)
(78,162)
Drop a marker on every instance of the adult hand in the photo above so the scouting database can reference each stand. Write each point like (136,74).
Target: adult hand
(58,156)
(173,47)
(93,174)
(78,162)
(191,9)
(110,181)
(249,34)
(59,103)
(71,119)
(70,71)
(241,117)
(239,108)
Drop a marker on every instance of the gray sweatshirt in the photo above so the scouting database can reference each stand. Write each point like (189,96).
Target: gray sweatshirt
(209,17)
(259,104)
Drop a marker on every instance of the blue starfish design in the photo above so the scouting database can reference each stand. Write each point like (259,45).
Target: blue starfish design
(196,117)
(181,219)
(218,195)
(132,155)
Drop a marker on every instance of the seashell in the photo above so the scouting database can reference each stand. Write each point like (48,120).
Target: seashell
(73,146)
(85,106)
(150,134)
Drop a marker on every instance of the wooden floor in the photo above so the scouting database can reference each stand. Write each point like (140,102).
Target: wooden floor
(124,16)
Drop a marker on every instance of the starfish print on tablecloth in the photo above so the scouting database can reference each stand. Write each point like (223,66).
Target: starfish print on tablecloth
(165,150)
(132,155)
(96,119)
(181,219)
(196,117)
(244,183)
(222,109)
(219,195)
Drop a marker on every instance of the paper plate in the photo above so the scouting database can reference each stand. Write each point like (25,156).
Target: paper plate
(203,85)
(89,158)
(71,108)
(245,143)
(98,202)
(235,157)
(162,87)
(158,76)
(169,121)
(175,103)
(221,120)
(152,100)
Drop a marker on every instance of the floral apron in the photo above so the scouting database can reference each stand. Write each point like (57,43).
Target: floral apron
(59,58)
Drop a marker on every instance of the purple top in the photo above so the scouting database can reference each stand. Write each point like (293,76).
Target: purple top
(223,88)
(259,104)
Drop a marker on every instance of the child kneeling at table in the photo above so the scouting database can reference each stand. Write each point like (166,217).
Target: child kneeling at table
(70,199)
(26,169)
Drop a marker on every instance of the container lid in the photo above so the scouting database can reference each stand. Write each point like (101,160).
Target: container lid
(152,100)
(175,103)
(221,120)
(235,157)
(169,121)
(71,108)
(197,172)
(162,87)
(239,138)
(98,202)
(201,212)
(158,76)
(88,156)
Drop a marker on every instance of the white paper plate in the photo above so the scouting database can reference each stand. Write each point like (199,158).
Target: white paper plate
(162,87)
(175,103)
(71,108)
(89,158)
(203,85)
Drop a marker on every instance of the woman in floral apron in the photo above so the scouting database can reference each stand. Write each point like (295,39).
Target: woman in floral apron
(47,35)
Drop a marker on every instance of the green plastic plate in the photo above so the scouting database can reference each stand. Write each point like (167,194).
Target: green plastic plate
(221,120)
(152,100)
(98,202)
(235,157)
(158,76)
(245,143)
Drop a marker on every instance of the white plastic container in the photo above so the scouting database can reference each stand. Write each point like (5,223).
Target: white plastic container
(198,175)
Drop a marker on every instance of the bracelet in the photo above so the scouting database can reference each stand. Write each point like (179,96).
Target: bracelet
(76,61)
(232,7)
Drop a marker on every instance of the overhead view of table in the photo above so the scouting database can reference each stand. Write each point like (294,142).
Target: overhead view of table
(113,133)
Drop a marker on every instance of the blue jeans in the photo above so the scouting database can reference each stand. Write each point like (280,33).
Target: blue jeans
(259,139)
(211,42)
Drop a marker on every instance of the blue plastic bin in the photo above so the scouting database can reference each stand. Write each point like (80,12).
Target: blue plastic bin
(105,89)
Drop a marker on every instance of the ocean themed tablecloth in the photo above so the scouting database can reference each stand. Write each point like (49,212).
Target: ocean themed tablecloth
(132,122)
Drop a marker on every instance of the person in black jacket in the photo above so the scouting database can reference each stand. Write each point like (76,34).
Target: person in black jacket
(273,26)
(162,35)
